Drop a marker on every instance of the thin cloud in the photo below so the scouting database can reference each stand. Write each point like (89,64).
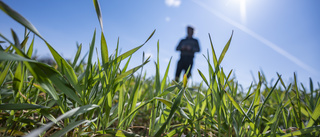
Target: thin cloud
(258,37)
(168,19)
(173,3)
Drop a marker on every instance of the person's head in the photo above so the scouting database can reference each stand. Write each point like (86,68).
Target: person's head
(190,31)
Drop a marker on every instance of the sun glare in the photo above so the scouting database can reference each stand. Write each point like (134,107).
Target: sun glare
(242,8)
(243,12)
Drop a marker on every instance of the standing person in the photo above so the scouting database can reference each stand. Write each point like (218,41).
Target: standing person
(187,47)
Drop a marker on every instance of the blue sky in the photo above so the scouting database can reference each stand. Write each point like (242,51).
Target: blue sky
(275,36)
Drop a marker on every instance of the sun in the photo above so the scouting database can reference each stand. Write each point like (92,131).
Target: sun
(242,7)
(243,12)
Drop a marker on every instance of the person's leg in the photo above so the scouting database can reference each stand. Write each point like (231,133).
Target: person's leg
(190,63)
(179,69)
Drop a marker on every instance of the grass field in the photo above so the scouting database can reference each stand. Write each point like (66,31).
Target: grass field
(85,98)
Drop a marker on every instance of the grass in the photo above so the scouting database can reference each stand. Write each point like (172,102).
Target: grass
(73,98)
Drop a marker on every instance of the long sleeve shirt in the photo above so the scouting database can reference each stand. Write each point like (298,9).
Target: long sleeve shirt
(188,47)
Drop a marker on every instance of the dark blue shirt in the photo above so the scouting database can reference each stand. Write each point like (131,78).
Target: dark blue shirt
(188,47)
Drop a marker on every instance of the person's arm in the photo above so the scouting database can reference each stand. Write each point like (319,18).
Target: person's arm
(196,48)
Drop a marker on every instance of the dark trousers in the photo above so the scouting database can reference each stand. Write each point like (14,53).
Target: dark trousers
(183,64)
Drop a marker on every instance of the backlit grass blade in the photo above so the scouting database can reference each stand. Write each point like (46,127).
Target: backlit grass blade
(18,78)
(303,131)
(298,114)
(215,60)
(104,49)
(203,78)
(75,60)
(258,116)
(225,49)
(136,109)
(65,66)
(71,126)
(19,18)
(130,52)
(43,73)
(70,113)
(237,106)
(98,11)
(32,67)
(163,82)
(30,50)
(16,40)
(20,106)
(314,116)
(174,107)
(87,72)
(4,72)
(129,72)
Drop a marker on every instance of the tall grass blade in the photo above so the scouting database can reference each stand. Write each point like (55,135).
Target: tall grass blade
(225,49)
(87,72)
(98,11)
(173,109)
(70,113)
(75,60)
(16,16)
(314,116)
(30,50)
(136,109)
(130,52)
(259,116)
(129,72)
(215,60)
(303,131)
(44,74)
(104,50)
(69,127)
(163,82)
(20,106)
(5,71)
(67,70)
(237,106)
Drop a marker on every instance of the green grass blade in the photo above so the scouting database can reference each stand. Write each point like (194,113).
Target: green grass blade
(163,82)
(314,116)
(43,73)
(19,18)
(75,60)
(4,73)
(265,101)
(174,107)
(71,126)
(303,131)
(104,50)
(136,109)
(203,78)
(129,72)
(70,113)
(87,72)
(98,11)
(33,68)
(30,50)
(65,66)
(130,52)
(20,106)
(18,78)
(237,106)
(215,60)
(226,47)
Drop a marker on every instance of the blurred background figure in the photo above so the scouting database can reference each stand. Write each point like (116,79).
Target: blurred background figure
(187,47)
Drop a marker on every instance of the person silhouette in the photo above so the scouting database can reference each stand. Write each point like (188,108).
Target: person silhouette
(187,47)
